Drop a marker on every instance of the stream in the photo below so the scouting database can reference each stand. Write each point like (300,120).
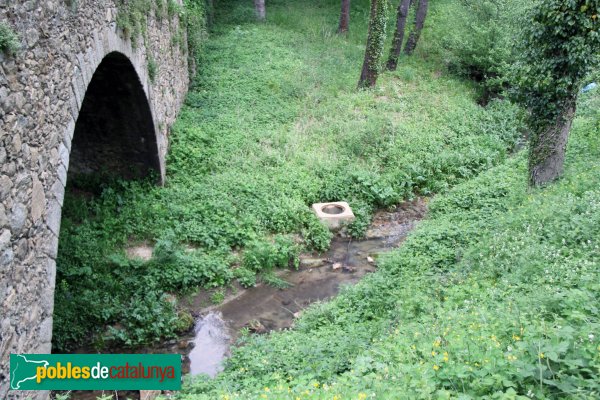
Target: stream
(265,308)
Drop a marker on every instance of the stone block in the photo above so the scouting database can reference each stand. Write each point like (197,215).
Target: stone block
(334,214)
(38,200)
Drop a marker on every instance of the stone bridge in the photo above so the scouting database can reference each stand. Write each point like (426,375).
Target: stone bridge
(79,96)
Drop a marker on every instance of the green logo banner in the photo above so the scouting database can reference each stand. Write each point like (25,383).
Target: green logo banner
(95,371)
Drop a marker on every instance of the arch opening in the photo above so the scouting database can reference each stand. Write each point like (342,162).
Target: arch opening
(115,132)
(114,138)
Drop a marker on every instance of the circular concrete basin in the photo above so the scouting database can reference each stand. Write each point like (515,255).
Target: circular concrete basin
(332,209)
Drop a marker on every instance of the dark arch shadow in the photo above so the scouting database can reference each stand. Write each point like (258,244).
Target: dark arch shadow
(114,137)
(115,132)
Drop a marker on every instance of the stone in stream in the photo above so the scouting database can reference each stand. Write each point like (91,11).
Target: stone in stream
(312,262)
(185,345)
(256,326)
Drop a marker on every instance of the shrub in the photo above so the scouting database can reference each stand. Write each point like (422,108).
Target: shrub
(9,41)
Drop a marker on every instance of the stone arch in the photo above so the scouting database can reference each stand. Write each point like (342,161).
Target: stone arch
(115,130)
(109,54)
(107,45)
(42,92)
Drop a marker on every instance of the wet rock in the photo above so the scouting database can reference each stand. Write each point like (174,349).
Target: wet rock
(185,345)
(255,326)
(397,222)
(312,262)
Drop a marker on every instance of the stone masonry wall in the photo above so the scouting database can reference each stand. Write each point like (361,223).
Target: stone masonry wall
(41,92)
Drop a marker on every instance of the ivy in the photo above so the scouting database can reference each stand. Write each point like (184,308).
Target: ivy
(560,47)
(375,43)
(377,35)
(132,18)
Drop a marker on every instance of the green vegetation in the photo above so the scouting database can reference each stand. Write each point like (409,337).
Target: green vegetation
(9,41)
(193,19)
(482,49)
(561,48)
(556,58)
(494,296)
(152,68)
(272,124)
(375,43)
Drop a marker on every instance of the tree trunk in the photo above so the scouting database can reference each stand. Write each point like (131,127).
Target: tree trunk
(260,10)
(375,42)
(547,149)
(413,38)
(344,17)
(403,7)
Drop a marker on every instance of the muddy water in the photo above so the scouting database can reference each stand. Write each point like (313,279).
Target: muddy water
(320,277)
(265,308)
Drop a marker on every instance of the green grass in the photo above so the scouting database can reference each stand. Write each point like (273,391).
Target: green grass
(495,295)
(272,123)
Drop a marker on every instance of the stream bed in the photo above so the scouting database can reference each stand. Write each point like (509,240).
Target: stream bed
(265,308)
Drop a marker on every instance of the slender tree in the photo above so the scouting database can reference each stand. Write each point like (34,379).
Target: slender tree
(402,14)
(375,42)
(415,33)
(560,47)
(260,10)
(344,17)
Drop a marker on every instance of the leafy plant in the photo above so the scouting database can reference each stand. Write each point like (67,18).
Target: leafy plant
(484,50)
(152,69)
(264,255)
(273,280)
(217,297)
(9,41)
(246,277)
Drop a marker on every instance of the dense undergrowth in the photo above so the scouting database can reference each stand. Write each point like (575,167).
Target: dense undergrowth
(494,296)
(272,123)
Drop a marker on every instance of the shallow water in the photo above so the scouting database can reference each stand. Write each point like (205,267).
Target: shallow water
(265,308)
(320,277)
(211,345)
